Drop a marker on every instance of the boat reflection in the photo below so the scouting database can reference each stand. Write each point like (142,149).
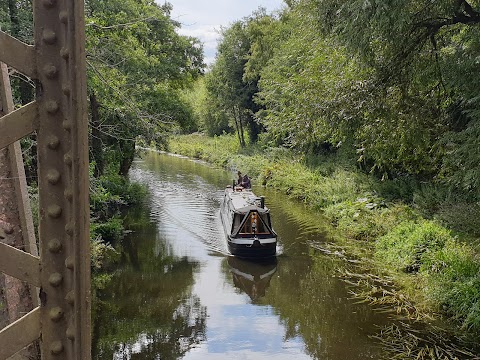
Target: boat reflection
(252,277)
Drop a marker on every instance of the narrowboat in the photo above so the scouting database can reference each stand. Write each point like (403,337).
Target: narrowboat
(247,224)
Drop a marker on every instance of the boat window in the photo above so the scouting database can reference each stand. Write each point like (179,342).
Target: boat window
(237,221)
(254,225)
(266,219)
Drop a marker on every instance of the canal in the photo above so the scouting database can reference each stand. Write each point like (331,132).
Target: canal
(175,293)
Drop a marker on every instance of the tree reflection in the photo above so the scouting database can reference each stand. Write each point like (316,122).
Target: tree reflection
(147,310)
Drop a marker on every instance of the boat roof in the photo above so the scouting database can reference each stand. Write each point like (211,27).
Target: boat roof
(245,200)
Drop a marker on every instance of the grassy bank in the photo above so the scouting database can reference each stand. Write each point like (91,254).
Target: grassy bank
(399,228)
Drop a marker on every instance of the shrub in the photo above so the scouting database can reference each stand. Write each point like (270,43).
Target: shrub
(453,278)
(405,247)
(110,230)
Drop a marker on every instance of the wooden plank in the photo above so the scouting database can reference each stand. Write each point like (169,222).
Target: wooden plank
(19,334)
(19,264)
(18,124)
(17,54)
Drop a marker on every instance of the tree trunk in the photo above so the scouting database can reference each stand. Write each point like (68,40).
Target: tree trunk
(96,139)
(127,153)
(239,126)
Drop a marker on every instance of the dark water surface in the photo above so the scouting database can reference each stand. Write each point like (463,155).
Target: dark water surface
(176,294)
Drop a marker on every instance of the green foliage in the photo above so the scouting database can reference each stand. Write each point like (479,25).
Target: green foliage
(110,230)
(99,251)
(138,68)
(453,275)
(406,246)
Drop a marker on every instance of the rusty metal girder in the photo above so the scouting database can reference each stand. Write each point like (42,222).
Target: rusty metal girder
(59,115)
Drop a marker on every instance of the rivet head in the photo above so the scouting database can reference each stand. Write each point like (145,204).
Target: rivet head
(56,347)
(67,158)
(56,314)
(49,3)
(70,298)
(51,106)
(50,71)
(67,125)
(70,333)
(49,36)
(54,211)
(55,279)
(54,246)
(53,142)
(69,263)
(8,229)
(69,229)
(66,90)
(63,16)
(68,194)
(53,176)
(65,53)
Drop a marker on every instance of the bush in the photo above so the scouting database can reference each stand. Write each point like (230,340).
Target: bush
(405,247)
(110,230)
(453,278)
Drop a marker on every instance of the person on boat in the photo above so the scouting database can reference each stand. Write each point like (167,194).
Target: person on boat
(246,182)
(240,178)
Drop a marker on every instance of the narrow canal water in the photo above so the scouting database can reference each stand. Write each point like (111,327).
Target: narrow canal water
(177,294)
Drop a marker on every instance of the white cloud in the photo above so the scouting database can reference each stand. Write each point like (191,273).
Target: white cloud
(203,18)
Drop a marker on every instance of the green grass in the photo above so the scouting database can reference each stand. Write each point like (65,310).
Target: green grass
(404,225)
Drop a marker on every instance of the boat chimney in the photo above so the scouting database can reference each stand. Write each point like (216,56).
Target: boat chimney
(262,202)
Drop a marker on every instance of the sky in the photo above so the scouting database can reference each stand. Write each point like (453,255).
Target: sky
(203,18)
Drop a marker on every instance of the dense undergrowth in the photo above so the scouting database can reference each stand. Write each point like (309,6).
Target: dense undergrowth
(423,235)
(110,195)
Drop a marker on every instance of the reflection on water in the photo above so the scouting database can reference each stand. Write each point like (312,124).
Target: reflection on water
(176,294)
(252,277)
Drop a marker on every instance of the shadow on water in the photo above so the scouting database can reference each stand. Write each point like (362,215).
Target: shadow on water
(174,292)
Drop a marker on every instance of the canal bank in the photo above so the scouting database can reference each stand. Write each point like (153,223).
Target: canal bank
(433,272)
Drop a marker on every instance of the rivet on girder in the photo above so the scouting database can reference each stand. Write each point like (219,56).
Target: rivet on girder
(66,90)
(50,71)
(51,106)
(69,229)
(67,125)
(49,36)
(56,314)
(69,263)
(70,298)
(70,333)
(53,176)
(54,211)
(68,194)
(67,158)
(55,279)
(49,3)
(8,229)
(54,246)
(63,16)
(65,53)
(56,347)
(53,142)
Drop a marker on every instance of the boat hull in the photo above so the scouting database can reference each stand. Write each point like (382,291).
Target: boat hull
(255,250)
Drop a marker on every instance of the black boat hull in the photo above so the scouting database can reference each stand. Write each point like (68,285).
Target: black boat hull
(253,251)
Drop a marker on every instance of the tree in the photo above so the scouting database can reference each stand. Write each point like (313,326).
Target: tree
(138,65)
